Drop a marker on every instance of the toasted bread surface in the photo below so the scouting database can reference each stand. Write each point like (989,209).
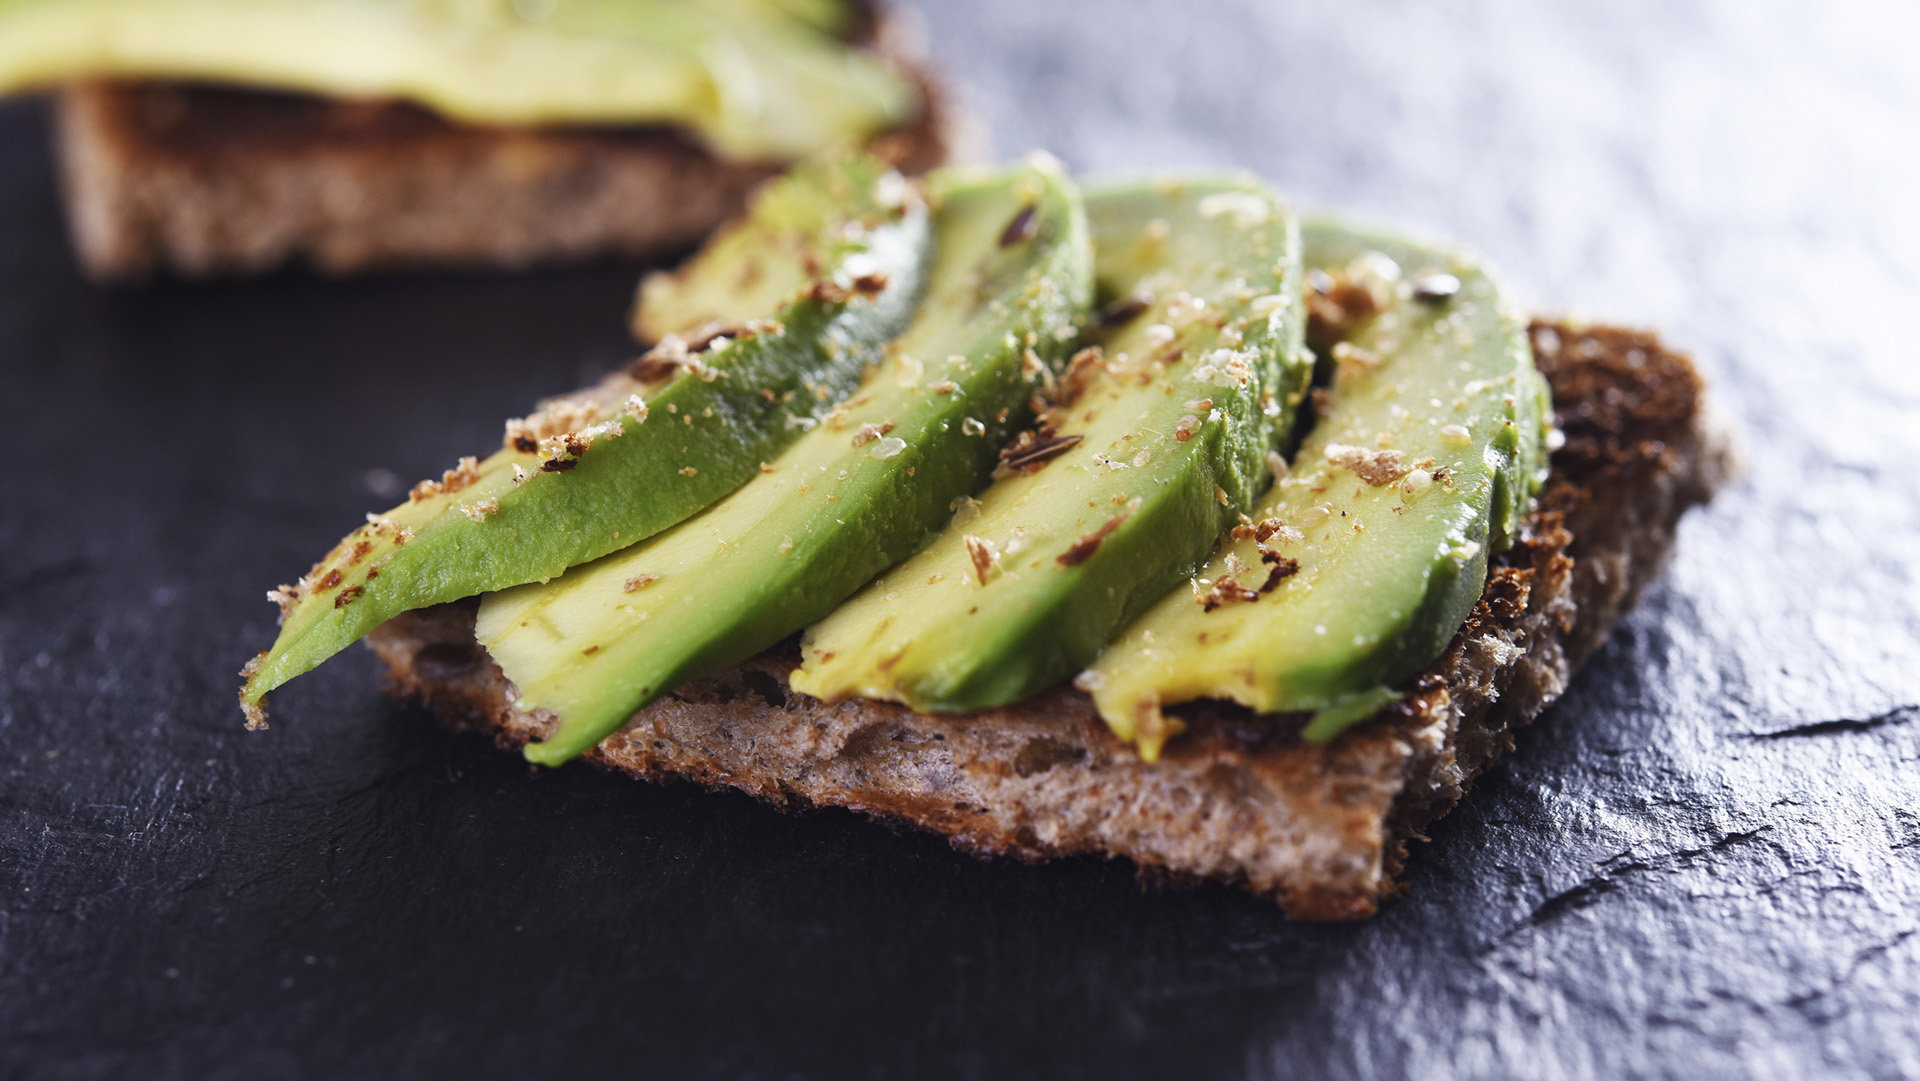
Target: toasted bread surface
(1320,829)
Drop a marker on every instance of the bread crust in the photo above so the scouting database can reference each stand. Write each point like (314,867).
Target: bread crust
(201,180)
(1319,829)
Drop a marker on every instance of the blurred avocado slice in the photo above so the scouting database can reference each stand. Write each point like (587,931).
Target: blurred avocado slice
(758,81)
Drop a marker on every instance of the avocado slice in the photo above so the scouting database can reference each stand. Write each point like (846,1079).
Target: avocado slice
(862,490)
(756,81)
(834,253)
(1421,466)
(1157,454)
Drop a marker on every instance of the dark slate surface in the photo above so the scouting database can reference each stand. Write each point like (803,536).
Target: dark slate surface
(1704,863)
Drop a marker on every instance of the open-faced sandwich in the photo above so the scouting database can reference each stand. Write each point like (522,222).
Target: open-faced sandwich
(1140,518)
(221,136)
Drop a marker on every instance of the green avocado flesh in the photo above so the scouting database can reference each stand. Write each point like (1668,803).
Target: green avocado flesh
(836,257)
(869,484)
(756,79)
(1420,466)
(1168,431)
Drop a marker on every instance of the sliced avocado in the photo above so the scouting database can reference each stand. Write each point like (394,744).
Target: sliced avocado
(1420,466)
(1158,452)
(859,492)
(595,472)
(754,80)
(761,260)
(840,18)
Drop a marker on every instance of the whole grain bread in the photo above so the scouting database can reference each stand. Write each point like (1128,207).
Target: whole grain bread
(202,180)
(1320,829)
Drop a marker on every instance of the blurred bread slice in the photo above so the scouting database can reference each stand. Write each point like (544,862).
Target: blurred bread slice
(201,180)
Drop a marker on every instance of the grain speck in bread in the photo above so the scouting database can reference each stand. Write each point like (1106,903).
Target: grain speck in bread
(1321,830)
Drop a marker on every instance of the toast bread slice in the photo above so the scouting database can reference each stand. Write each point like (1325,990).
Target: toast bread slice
(1319,829)
(202,180)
